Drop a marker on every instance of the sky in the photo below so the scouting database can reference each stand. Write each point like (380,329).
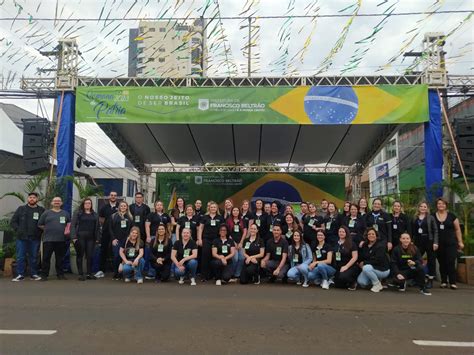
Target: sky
(294,46)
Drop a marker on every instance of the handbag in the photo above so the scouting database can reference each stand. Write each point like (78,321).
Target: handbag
(67,230)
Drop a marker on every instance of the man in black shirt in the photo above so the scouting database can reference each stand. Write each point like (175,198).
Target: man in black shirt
(104,218)
(25,223)
(139,212)
(276,253)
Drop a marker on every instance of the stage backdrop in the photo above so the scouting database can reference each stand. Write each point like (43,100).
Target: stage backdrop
(381,104)
(287,188)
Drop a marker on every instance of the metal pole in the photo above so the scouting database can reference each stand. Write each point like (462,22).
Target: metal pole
(249,65)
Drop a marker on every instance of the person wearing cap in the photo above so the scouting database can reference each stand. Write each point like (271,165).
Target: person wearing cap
(25,223)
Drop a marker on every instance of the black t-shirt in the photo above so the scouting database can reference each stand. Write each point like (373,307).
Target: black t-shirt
(139,214)
(236,229)
(287,232)
(106,212)
(271,221)
(261,222)
(343,255)
(381,222)
(276,249)
(120,226)
(356,228)
(246,218)
(297,257)
(160,250)
(183,251)
(223,246)
(309,233)
(420,228)
(131,252)
(321,253)
(86,225)
(400,225)
(33,215)
(332,224)
(446,231)
(155,219)
(211,226)
(191,223)
(253,247)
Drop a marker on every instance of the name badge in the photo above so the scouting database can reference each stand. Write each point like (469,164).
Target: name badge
(376,227)
(36,216)
(328,225)
(288,234)
(137,219)
(225,249)
(351,223)
(278,251)
(186,252)
(160,248)
(236,228)
(131,252)
(247,246)
(123,223)
(395,226)
(257,222)
(311,222)
(338,256)
(318,253)
(295,258)
(420,230)
(271,228)
(187,224)
(62,219)
(213,222)
(441,226)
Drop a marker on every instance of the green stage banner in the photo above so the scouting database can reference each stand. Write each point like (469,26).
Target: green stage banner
(287,188)
(306,105)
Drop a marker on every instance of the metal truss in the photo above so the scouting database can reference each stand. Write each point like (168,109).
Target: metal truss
(251,169)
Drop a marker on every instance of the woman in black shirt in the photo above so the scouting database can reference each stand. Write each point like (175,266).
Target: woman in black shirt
(260,217)
(289,226)
(400,222)
(381,222)
(120,225)
(312,223)
(161,254)
(450,241)
(238,232)
(254,251)
(223,251)
(190,220)
(246,213)
(320,270)
(332,222)
(345,261)
(131,254)
(184,257)
(85,234)
(356,224)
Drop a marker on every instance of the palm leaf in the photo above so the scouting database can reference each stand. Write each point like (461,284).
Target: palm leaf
(34,184)
(18,195)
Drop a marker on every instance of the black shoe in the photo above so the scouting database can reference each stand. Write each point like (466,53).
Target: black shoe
(284,280)
(425,292)
(271,280)
(402,287)
(62,277)
(116,277)
(353,287)
(91,277)
(81,278)
(429,283)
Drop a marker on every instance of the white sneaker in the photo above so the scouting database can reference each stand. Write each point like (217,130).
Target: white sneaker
(18,278)
(181,280)
(99,274)
(377,287)
(299,283)
(218,283)
(127,279)
(193,281)
(305,284)
(325,285)
(35,277)
(331,282)
(139,281)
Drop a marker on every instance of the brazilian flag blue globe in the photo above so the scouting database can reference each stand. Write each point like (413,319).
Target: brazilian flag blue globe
(331,104)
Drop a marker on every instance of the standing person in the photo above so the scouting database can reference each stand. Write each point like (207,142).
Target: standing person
(119,229)
(289,210)
(400,222)
(246,213)
(346,209)
(139,212)
(106,211)
(53,222)
(381,222)
(184,257)
(238,232)
(190,221)
(131,254)
(260,217)
(332,222)
(373,262)
(288,227)
(323,211)
(312,223)
(356,224)
(406,263)
(300,256)
(273,218)
(267,207)
(28,237)
(303,211)
(425,234)
(223,251)
(320,270)
(160,258)
(198,208)
(254,251)
(228,205)
(345,261)
(363,206)
(85,234)
(450,241)
(276,255)
(208,231)
(153,220)
(178,211)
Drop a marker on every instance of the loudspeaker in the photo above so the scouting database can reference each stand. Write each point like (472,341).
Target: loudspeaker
(34,166)
(464,128)
(39,127)
(467,155)
(465,142)
(30,140)
(36,144)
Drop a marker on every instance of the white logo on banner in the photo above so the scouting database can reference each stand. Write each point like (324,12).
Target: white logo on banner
(198,180)
(203,104)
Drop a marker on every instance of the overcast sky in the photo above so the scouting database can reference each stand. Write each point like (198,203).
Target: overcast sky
(96,38)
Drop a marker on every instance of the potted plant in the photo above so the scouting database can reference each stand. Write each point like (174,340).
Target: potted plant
(9,252)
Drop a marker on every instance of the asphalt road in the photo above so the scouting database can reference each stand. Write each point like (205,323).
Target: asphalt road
(106,316)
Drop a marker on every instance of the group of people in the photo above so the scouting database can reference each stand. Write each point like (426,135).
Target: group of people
(357,247)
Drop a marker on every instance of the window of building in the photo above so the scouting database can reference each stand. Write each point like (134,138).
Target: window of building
(377,159)
(391,150)
(162,29)
(377,188)
(139,71)
(391,185)
(161,60)
(140,60)
(131,188)
(151,29)
(151,59)
(161,50)
(140,50)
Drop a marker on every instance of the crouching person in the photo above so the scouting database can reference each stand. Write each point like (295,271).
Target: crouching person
(184,257)
(300,257)
(223,251)
(320,270)
(131,254)
(276,256)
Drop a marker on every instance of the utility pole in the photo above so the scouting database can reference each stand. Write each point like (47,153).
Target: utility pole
(249,50)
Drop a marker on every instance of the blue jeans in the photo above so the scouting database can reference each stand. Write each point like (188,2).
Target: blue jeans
(321,272)
(190,267)
(128,270)
(238,261)
(370,276)
(24,247)
(147,269)
(297,271)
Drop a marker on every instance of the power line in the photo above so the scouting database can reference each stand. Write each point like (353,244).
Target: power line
(414,13)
